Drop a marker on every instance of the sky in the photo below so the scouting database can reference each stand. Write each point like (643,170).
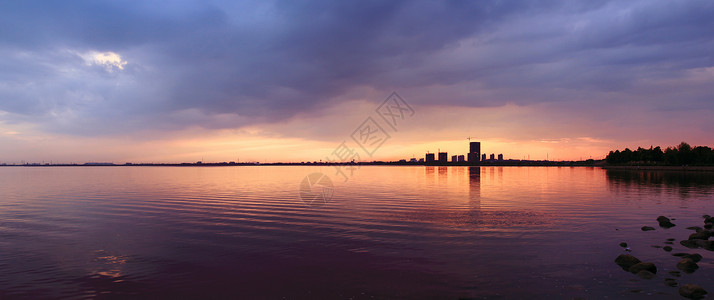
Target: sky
(277,81)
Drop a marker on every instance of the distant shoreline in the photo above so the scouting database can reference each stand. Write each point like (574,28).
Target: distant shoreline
(505,163)
(488,163)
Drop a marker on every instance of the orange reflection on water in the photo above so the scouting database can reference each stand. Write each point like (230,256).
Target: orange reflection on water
(109,265)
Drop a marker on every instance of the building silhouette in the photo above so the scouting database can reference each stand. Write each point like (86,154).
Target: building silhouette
(483,157)
(460,158)
(474,151)
(429,158)
(500,156)
(443,157)
(453,158)
(492,157)
(473,157)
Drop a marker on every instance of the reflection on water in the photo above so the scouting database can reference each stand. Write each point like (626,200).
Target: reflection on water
(684,183)
(662,178)
(475,188)
(390,232)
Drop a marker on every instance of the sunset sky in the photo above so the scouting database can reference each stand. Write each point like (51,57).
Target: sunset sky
(268,81)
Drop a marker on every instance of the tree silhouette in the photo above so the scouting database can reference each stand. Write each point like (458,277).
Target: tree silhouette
(682,154)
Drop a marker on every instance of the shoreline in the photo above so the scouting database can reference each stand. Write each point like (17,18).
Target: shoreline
(457,164)
(507,163)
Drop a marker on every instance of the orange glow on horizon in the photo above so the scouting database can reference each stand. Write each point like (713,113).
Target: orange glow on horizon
(314,138)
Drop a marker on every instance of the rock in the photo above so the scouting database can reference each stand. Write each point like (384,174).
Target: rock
(706,216)
(667,224)
(675,273)
(692,291)
(709,220)
(667,248)
(695,228)
(708,245)
(663,219)
(700,235)
(708,225)
(626,261)
(670,281)
(670,239)
(644,274)
(692,244)
(656,246)
(687,265)
(647,228)
(669,243)
(623,245)
(646,266)
(696,257)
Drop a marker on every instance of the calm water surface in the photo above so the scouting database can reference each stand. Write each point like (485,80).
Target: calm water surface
(388,232)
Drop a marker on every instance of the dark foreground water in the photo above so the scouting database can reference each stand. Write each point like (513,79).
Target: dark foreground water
(389,232)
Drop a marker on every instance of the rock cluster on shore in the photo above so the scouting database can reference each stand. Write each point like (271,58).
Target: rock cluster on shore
(687,261)
(633,265)
(700,238)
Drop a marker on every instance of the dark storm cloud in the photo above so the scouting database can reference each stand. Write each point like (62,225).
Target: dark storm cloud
(224,64)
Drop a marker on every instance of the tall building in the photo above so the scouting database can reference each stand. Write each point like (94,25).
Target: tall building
(443,157)
(460,158)
(483,157)
(473,157)
(500,156)
(453,158)
(475,149)
(493,157)
(429,158)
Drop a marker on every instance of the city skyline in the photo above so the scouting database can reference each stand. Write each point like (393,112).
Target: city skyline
(288,82)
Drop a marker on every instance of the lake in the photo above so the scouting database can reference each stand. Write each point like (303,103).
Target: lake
(388,232)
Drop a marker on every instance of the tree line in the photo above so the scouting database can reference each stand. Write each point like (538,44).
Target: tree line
(683,154)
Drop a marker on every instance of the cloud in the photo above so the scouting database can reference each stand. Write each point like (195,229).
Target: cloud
(109,60)
(97,68)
